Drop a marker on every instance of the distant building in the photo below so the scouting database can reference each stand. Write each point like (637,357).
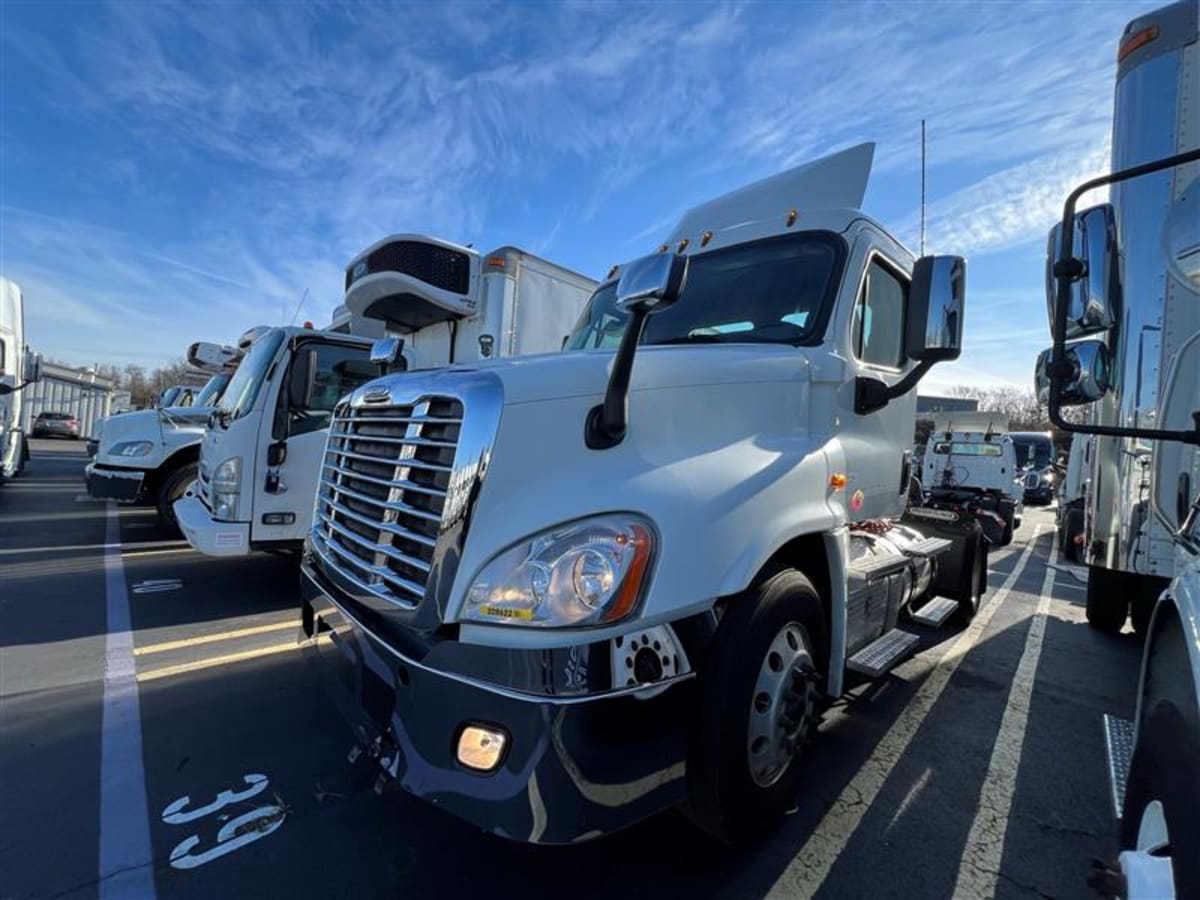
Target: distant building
(931,405)
(78,392)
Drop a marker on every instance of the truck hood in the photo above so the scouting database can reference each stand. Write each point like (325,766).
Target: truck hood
(181,426)
(552,376)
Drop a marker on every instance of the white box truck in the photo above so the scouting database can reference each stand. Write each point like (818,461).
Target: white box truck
(1122,275)
(262,456)
(560,593)
(18,367)
(151,454)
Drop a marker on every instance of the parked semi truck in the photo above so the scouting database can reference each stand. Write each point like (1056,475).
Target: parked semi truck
(151,454)
(1070,512)
(18,367)
(971,461)
(1127,274)
(559,593)
(1128,308)
(262,456)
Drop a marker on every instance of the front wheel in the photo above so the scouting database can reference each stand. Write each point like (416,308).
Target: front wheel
(759,707)
(179,484)
(1161,820)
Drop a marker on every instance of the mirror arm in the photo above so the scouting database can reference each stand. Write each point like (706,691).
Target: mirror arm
(1068,269)
(871,394)
(607,422)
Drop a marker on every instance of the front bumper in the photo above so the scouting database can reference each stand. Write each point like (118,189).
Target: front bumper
(104,483)
(575,768)
(210,537)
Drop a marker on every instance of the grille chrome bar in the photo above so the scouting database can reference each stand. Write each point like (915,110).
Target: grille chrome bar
(390,505)
(398,420)
(391,575)
(380,439)
(389,527)
(382,482)
(414,463)
(377,572)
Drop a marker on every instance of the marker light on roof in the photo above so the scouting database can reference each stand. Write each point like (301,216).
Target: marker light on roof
(705,238)
(1136,41)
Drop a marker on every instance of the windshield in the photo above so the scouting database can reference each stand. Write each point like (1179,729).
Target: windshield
(958,448)
(211,392)
(1033,451)
(242,390)
(771,291)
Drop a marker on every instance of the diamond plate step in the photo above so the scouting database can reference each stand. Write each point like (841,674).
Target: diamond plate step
(935,612)
(1118,741)
(869,568)
(931,546)
(883,653)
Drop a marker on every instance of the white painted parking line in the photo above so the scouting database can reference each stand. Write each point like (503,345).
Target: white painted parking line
(125,864)
(979,871)
(127,549)
(810,867)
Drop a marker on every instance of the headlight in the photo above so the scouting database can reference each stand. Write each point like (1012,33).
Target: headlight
(589,572)
(132,448)
(226,488)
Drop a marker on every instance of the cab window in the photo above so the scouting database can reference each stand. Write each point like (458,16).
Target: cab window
(877,329)
(336,371)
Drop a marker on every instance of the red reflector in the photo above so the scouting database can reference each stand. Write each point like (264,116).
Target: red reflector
(1136,40)
(496,261)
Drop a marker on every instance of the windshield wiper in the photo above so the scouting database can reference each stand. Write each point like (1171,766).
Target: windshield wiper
(689,339)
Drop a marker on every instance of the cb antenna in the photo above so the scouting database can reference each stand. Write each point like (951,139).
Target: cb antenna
(298,305)
(922,187)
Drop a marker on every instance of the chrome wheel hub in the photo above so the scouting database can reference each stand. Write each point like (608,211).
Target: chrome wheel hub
(782,707)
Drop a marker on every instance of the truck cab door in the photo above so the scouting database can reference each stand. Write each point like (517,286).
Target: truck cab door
(877,443)
(292,443)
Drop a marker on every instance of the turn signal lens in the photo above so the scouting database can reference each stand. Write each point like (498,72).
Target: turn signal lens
(481,748)
(837,481)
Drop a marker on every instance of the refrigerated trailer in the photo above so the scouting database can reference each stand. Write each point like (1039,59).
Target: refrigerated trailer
(261,461)
(556,594)
(1125,318)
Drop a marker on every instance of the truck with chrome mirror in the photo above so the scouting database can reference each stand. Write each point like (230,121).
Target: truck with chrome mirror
(695,520)
(1141,379)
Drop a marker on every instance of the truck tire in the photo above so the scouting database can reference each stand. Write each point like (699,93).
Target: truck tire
(1145,597)
(975,556)
(1107,602)
(1164,788)
(177,485)
(759,707)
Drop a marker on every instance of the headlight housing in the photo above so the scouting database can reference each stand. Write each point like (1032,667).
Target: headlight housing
(132,448)
(226,488)
(588,572)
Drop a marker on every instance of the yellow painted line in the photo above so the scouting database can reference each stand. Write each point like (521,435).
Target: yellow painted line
(141,553)
(212,638)
(196,665)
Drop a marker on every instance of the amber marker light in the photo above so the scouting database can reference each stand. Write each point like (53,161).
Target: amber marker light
(837,481)
(1136,41)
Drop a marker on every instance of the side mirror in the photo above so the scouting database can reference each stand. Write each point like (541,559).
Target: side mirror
(652,283)
(210,357)
(300,381)
(1095,296)
(933,332)
(387,352)
(1090,379)
(276,453)
(33,366)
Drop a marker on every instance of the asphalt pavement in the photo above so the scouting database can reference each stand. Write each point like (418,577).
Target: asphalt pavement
(163,734)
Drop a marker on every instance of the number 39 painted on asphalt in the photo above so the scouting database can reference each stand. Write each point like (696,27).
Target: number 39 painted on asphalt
(237,832)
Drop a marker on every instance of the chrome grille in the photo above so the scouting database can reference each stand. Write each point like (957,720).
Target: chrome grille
(382,493)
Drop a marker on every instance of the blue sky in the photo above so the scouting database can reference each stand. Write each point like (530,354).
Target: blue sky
(173,173)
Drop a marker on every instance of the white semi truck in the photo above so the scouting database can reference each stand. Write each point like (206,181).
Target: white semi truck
(151,454)
(18,367)
(1126,275)
(557,594)
(262,456)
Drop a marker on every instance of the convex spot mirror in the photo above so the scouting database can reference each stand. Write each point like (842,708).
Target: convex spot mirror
(1090,379)
(1095,295)
(651,283)
(933,332)
(33,366)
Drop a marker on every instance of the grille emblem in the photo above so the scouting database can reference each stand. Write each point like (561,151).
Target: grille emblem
(376,395)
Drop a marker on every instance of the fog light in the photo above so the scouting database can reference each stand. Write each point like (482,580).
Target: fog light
(278,518)
(481,748)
